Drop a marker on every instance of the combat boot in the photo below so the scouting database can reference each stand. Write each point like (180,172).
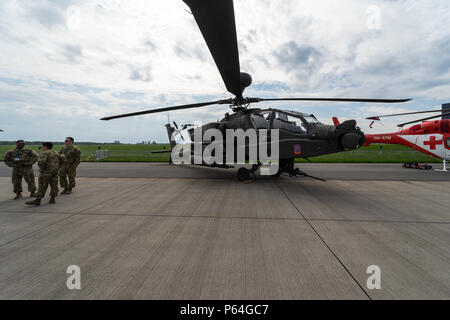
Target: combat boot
(52,199)
(18,196)
(36,202)
(33,194)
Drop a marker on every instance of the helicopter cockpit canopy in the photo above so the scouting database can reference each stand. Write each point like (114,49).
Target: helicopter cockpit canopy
(291,121)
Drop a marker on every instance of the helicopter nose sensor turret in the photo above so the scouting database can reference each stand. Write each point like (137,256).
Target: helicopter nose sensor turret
(350,136)
(351,141)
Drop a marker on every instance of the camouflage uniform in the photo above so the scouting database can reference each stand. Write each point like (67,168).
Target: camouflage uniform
(48,173)
(70,159)
(22,160)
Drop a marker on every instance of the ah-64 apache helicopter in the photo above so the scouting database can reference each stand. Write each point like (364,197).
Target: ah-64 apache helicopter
(300,135)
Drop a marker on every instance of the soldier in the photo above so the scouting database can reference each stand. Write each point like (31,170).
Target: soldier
(70,157)
(48,174)
(21,160)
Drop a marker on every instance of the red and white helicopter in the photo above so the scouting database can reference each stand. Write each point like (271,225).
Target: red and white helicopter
(429,137)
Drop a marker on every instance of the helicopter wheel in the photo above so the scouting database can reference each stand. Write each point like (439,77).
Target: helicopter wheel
(243,174)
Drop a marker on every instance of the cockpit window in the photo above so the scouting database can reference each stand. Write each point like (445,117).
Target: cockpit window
(295,122)
(311,119)
(282,116)
(288,122)
(260,121)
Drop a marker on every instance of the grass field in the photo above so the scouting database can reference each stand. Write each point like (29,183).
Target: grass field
(143,153)
(117,152)
(374,154)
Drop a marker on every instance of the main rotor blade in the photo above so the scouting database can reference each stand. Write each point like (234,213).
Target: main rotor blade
(186,106)
(339,100)
(401,114)
(424,119)
(216,21)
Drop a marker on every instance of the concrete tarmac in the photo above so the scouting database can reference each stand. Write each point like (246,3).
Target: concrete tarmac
(330,171)
(150,231)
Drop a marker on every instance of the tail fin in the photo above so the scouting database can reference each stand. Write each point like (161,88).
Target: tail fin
(336,121)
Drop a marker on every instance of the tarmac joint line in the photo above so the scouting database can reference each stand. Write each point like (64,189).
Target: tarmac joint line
(324,242)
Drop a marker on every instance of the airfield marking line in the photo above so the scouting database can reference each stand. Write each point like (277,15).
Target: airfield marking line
(229,217)
(227,178)
(408,180)
(155,215)
(324,242)
(380,221)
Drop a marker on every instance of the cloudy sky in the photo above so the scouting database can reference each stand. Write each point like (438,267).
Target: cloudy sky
(66,63)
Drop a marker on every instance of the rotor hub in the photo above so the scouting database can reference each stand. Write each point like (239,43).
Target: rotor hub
(246,80)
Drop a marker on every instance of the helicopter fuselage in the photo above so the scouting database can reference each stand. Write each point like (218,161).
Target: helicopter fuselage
(299,135)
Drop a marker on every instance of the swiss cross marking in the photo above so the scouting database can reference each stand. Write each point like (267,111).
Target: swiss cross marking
(432,143)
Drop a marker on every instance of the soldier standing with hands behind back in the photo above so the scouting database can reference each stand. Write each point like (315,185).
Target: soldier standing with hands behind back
(70,157)
(21,160)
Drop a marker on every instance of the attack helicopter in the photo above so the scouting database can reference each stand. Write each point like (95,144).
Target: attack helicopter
(301,135)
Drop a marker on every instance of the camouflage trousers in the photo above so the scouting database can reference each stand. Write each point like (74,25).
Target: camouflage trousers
(67,176)
(44,180)
(28,175)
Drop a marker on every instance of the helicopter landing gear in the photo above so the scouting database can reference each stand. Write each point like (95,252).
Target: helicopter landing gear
(288,166)
(444,167)
(243,174)
(297,172)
